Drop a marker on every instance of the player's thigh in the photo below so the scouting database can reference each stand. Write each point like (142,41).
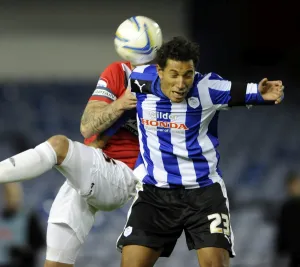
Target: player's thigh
(113,183)
(106,184)
(78,166)
(213,257)
(139,256)
(151,222)
(63,245)
(72,209)
(208,220)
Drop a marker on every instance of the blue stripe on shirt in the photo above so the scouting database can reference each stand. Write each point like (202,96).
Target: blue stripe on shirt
(254,98)
(219,97)
(192,145)
(148,74)
(212,134)
(169,159)
(149,179)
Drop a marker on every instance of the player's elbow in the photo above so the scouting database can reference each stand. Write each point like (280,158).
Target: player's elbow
(85,131)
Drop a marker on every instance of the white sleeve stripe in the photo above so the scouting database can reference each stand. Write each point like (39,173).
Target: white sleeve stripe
(204,96)
(219,85)
(252,88)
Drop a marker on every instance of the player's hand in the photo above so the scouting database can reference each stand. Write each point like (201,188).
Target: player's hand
(271,90)
(127,100)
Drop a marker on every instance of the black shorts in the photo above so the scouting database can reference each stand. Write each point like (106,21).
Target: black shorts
(158,217)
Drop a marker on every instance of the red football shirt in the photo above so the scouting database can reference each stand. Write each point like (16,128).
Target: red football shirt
(112,84)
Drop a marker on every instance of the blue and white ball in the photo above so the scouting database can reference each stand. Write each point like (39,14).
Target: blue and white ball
(137,40)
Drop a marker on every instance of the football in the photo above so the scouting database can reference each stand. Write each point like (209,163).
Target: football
(137,40)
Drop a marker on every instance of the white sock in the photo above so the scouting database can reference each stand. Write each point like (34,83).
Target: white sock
(28,164)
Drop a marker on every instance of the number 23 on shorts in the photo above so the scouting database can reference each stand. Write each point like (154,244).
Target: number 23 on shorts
(216,221)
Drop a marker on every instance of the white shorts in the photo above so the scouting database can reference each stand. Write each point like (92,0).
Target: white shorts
(62,244)
(105,184)
(93,183)
(73,210)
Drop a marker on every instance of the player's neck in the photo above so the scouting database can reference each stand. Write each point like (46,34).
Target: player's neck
(132,66)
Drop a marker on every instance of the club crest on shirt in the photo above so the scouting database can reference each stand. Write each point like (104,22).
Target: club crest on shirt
(193,102)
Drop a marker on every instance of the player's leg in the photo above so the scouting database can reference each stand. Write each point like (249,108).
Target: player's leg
(85,168)
(62,246)
(104,183)
(208,229)
(144,240)
(34,162)
(70,218)
(213,257)
(139,256)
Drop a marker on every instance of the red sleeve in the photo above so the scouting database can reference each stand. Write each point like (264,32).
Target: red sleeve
(110,84)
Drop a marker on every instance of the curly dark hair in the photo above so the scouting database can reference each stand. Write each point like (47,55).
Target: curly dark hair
(179,49)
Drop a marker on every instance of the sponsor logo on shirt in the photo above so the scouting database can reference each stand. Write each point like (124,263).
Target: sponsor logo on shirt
(164,124)
(162,115)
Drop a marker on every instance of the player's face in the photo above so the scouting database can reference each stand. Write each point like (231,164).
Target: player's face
(176,79)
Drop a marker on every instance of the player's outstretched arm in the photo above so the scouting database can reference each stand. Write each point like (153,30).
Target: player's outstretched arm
(224,93)
(98,116)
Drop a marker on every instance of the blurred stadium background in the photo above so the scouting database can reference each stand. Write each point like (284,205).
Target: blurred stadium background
(52,52)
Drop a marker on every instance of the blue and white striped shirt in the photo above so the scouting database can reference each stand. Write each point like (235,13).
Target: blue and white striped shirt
(178,141)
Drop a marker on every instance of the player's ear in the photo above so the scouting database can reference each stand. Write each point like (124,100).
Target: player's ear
(159,71)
